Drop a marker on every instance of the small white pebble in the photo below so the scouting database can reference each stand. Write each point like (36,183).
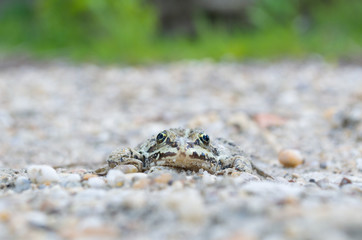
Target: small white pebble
(42,174)
(96,182)
(70,180)
(177,185)
(115,178)
(73,177)
(22,183)
(132,176)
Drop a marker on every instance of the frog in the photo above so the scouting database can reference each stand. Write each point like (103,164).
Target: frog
(184,149)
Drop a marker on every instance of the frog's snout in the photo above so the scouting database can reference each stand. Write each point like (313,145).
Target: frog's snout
(184,148)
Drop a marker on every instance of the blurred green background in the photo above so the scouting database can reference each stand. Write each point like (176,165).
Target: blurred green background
(146,31)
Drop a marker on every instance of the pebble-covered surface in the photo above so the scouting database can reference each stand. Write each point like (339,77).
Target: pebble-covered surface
(58,122)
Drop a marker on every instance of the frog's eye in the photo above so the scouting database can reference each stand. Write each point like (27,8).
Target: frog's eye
(204,138)
(161,137)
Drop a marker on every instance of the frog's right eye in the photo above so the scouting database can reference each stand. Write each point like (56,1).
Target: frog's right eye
(161,137)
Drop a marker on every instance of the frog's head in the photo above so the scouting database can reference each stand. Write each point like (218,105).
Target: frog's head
(189,149)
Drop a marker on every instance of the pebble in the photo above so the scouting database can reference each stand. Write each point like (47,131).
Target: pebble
(177,185)
(295,175)
(133,176)
(73,177)
(323,165)
(127,168)
(22,183)
(164,178)
(88,176)
(42,174)
(115,178)
(70,180)
(290,158)
(345,181)
(96,182)
(141,183)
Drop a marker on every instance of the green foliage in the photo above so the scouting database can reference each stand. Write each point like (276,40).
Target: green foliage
(268,13)
(126,31)
(107,29)
(338,27)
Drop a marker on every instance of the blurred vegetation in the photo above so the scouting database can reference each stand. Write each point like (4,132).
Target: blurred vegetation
(126,31)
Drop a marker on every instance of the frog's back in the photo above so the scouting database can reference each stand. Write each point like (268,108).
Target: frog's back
(228,148)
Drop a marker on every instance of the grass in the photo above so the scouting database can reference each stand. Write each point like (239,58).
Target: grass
(127,34)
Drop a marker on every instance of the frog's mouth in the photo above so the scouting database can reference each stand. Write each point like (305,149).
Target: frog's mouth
(184,159)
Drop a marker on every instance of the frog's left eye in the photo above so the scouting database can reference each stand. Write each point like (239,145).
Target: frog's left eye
(161,137)
(205,138)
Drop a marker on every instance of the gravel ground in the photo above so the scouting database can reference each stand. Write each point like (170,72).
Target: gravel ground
(59,121)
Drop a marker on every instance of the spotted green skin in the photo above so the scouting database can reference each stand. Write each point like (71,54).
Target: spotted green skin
(184,149)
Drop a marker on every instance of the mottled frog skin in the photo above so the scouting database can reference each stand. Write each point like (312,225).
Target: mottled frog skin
(184,149)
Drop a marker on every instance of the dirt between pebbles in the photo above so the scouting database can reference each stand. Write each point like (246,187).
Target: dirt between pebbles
(59,121)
